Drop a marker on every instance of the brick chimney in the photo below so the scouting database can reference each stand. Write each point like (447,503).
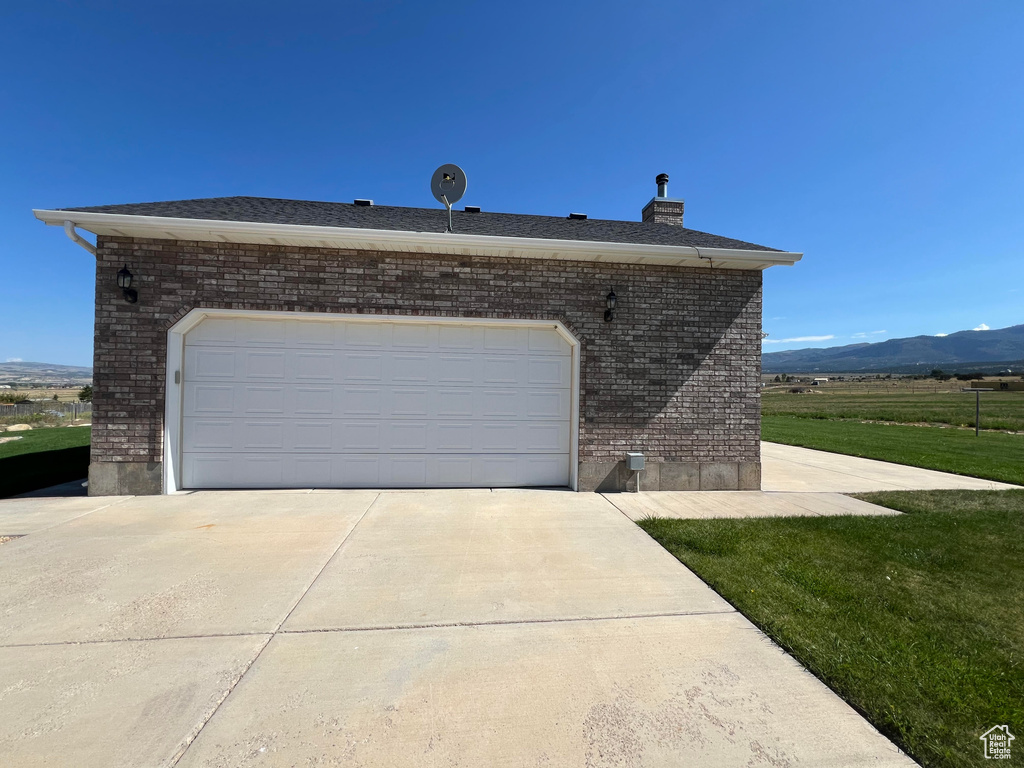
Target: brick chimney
(664,209)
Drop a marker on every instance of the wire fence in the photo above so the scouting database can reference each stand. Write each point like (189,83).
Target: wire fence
(47,411)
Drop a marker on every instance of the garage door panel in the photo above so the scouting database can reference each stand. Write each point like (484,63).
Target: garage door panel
(359,436)
(416,336)
(332,436)
(312,333)
(269,400)
(313,366)
(261,435)
(210,363)
(501,370)
(404,436)
(264,365)
(360,401)
(307,403)
(364,334)
(454,471)
(313,472)
(312,436)
(357,367)
(262,333)
(209,399)
(499,403)
(454,436)
(457,369)
(340,401)
(547,403)
(358,471)
(282,470)
(210,434)
(311,401)
(541,341)
(458,337)
(548,371)
(214,331)
(453,403)
(497,339)
(406,368)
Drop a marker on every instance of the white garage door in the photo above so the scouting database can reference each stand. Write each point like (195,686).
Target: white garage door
(349,404)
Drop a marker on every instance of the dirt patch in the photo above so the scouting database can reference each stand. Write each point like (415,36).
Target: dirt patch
(5,539)
(9,439)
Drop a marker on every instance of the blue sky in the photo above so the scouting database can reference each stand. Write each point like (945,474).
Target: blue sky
(884,140)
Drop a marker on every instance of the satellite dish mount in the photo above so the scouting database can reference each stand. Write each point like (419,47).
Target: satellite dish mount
(448,185)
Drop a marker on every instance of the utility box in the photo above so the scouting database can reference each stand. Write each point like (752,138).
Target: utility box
(634,461)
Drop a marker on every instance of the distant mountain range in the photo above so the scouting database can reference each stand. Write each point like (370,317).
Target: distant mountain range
(21,373)
(974,350)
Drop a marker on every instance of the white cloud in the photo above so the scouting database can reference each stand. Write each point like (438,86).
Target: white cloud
(981,327)
(15,360)
(864,335)
(799,338)
(940,335)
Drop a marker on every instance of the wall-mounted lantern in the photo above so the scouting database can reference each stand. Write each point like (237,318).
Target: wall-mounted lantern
(124,282)
(610,299)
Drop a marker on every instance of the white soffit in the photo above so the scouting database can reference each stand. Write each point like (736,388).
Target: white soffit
(451,243)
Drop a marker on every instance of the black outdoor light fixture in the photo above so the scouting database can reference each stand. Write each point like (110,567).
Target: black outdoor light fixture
(124,282)
(610,299)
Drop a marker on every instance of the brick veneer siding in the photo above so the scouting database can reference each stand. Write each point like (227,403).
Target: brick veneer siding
(675,375)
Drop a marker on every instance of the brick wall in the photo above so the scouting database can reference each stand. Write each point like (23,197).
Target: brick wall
(675,375)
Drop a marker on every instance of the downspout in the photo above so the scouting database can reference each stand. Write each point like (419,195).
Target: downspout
(69,230)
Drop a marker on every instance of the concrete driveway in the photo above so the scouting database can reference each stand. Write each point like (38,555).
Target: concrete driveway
(789,468)
(445,628)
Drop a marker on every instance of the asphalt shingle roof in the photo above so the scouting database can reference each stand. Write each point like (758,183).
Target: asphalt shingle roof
(267,210)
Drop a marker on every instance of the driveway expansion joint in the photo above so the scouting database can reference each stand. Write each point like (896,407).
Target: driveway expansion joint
(506,622)
(191,740)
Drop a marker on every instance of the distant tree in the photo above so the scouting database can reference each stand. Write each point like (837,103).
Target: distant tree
(85,393)
(778,379)
(936,373)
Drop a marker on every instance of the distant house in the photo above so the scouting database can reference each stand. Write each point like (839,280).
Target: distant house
(819,380)
(1000,386)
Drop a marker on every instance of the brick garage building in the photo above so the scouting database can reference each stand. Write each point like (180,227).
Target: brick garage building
(281,343)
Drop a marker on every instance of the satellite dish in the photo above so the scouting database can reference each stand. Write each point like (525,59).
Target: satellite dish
(448,185)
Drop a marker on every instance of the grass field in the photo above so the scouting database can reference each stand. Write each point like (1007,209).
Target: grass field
(915,620)
(42,458)
(992,455)
(999,410)
(50,439)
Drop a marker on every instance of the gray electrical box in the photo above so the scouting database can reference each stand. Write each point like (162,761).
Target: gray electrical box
(634,461)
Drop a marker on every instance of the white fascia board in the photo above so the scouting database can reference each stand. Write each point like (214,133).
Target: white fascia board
(453,243)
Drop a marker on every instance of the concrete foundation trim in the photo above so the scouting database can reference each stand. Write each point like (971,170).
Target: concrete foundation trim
(612,476)
(121,478)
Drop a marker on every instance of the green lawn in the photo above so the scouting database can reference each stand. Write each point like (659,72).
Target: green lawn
(43,457)
(999,410)
(47,439)
(915,620)
(992,455)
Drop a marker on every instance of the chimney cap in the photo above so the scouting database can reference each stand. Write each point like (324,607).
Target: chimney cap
(662,178)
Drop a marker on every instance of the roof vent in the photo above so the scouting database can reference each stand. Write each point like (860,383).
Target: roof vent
(579,216)
(362,201)
(472,209)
